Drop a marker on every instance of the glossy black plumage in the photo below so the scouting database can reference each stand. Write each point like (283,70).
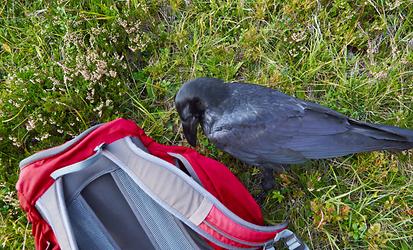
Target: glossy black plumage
(264,127)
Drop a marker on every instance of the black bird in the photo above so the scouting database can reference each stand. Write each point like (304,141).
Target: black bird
(264,127)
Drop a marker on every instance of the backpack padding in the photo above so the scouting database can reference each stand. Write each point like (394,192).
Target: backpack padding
(117,216)
(216,226)
(166,230)
(93,198)
(57,218)
(34,178)
(88,231)
(214,177)
(162,184)
(192,203)
(95,184)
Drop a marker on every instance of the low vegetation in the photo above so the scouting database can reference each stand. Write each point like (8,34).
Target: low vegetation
(66,65)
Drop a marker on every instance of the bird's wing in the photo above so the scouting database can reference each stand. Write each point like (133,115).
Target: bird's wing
(275,128)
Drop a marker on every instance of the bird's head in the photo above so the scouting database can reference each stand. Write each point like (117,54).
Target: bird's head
(193,99)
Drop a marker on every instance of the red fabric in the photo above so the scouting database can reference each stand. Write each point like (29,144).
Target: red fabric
(35,178)
(220,237)
(44,237)
(217,219)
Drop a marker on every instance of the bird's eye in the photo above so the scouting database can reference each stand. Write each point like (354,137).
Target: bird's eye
(198,104)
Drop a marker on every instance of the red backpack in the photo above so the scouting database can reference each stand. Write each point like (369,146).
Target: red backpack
(113,187)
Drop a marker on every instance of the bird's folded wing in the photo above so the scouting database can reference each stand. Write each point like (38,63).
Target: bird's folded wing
(289,133)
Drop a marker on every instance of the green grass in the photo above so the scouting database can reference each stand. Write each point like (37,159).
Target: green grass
(65,65)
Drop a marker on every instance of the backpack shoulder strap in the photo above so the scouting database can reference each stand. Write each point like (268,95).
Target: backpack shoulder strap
(187,200)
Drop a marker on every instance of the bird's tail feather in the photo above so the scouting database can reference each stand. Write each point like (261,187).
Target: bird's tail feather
(384,132)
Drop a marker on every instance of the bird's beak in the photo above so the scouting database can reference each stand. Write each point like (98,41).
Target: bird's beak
(190,127)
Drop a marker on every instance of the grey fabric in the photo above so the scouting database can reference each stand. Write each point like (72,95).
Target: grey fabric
(64,214)
(75,182)
(120,149)
(187,166)
(109,205)
(291,240)
(160,223)
(199,241)
(162,183)
(48,206)
(56,150)
(78,166)
(139,144)
(135,210)
(89,232)
(169,208)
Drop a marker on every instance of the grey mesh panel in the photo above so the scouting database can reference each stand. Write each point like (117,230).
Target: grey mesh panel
(162,203)
(90,233)
(161,224)
(164,184)
(109,205)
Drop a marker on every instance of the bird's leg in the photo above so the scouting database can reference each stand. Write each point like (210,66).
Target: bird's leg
(267,182)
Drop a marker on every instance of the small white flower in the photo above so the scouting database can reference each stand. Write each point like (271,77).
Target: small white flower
(45,136)
(31,124)
(112,73)
(299,36)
